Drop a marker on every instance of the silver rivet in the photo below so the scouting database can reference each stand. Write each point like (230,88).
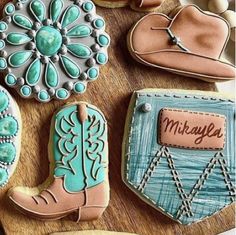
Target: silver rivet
(37,55)
(89,17)
(47,22)
(66,40)
(83,76)
(32,33)
(3,54)
(64,31)
(91,62)
(69,86)
(20,81)
(31,45)
(2,35)
(95,33)
(57,25)
(19,5)
(146,108)
(45,60)
(63,50)
(36,25)
(95,48)
(55,58)
(78,2)
(7,19)
(51,92)
(36,89)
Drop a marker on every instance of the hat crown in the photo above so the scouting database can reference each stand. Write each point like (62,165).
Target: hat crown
(200,32)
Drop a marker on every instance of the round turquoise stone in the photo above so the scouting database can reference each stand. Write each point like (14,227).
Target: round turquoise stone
(79,87)
(62,94)
(10,80)
(48,40)
(93,73)
(3,26)
(4,102)
(99,23)
(103,40)
(26,91)
(8,153)
(101,58)
(43,95)
(2,44)
(3,176)
(88,6)
(3,63)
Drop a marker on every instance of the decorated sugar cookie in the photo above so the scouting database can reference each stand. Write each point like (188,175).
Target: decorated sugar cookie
(50,49)
(179,152)
(190,42)
(139,5)
(79,160)
(10,135)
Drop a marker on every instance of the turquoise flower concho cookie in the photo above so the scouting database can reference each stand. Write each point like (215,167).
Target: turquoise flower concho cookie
(50,49)
(179,152)
(10,136)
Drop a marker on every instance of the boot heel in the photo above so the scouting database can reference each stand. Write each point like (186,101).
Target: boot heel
(90,213)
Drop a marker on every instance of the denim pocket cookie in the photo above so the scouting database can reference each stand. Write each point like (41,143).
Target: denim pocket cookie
(179,152)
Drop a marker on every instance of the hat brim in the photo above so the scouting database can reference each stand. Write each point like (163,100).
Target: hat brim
(189,64)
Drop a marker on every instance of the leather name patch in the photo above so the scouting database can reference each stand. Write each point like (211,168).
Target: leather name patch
(191,130)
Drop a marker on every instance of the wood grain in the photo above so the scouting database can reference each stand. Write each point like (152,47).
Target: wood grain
(111,93)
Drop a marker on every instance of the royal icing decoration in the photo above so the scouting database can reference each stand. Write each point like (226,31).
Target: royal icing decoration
(50,49)
(79,158)
(179,152)
(10,136)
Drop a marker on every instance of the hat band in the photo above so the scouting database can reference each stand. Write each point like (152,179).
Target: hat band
(176,40)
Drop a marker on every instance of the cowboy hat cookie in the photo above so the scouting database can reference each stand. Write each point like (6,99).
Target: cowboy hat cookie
(78,156)
(51,49)
(190,43)
(10,135)
(139,5)
(179,152)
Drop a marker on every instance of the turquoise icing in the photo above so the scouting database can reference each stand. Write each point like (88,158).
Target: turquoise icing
(51,75)
(56,9)
(103,40)
(3,63)
(3,176)
(99,23)
(88,6)
(70,16)
(101,58)
(8,126)
(37,8)
(2,44)
(79,149)
(8,153)
(10,9)
(43,96)
(79,87)
(3,26)
(33,73)
(17,59)
(22,21)
(93,73)
(48,40)
(62,94)
(4,101)
(161,189)
(10,79)
(18,38)
(26,90)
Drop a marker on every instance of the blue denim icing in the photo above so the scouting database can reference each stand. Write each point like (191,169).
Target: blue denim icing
(190,164)
(80,149)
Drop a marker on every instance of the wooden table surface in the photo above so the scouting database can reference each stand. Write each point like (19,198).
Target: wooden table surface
(111,93)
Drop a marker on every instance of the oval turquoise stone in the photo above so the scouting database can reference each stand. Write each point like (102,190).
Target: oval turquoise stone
(10,9)
(62,93)
(103,40)
(43,95)
(3,176)
(3,26)
(3,63)
(2,44)
(10,80)
(93,73)
(101,58)
(48,41)
(7,153)
(26,91)
(4,102)
(8,126)
(79,87)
